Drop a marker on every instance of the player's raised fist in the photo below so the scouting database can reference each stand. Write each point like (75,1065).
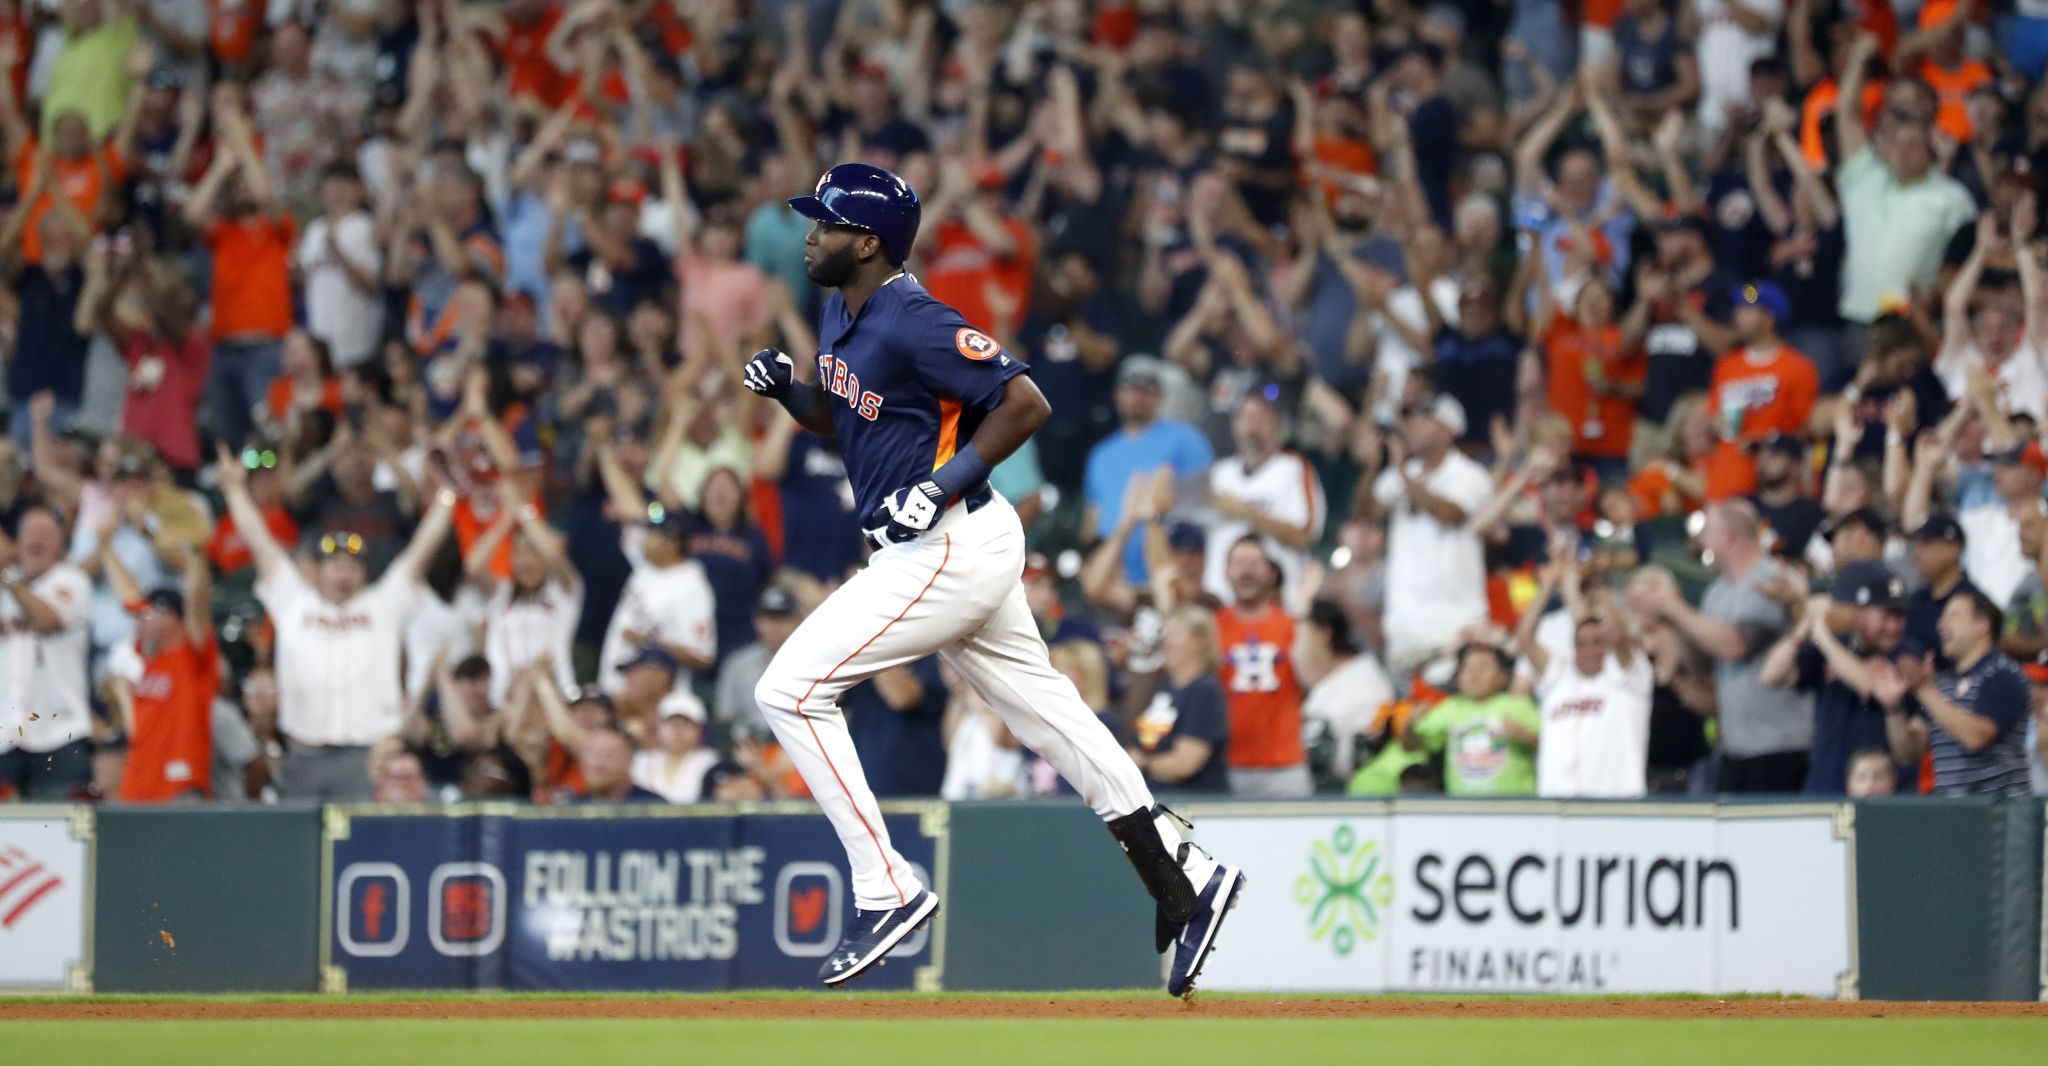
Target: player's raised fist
(769,373)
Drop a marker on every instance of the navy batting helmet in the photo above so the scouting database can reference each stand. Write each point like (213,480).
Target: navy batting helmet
(867,197)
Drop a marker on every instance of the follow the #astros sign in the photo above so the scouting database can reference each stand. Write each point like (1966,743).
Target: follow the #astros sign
(1539,897)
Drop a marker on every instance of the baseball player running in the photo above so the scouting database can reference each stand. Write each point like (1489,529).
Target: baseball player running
(924,405)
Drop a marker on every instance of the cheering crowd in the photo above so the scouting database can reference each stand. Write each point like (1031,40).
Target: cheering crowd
(1495,399)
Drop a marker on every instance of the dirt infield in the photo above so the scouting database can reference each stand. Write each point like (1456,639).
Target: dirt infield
(892,1008)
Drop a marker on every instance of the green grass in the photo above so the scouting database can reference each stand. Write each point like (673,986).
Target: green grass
(1190,1042)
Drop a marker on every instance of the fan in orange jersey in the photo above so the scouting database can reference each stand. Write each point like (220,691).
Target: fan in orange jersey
(1762,388)
(1266,757)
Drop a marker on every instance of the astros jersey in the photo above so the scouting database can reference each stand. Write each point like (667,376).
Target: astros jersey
(1596,730)
(1259,681)
(908,382)
(337,664)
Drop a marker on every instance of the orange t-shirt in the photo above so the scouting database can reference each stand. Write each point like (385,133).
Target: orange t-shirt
(1651,488)
(233,28)
(612,91)
(469,525)
(1263,693)
(252,278)
(1601,13)
(1346,155)
(1878,17)
(562,773)
(78,180)
(960,268)
(660,22)
(1953,88)
(228,552)
(171,752)
(524,51)
(1756,400)
(283,393)
(1820,106)
(1577,357)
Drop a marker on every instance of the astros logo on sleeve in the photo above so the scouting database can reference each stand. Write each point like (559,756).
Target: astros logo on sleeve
(976,345)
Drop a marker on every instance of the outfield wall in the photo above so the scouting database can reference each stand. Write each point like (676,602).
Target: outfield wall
(1896,899)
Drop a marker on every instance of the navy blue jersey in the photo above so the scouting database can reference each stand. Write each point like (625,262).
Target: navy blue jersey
(908,382)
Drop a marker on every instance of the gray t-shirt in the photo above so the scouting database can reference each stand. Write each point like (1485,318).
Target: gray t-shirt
(234,747)
(1756,719)
(733,703)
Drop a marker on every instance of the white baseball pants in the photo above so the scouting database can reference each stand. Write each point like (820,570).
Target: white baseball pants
(956,591)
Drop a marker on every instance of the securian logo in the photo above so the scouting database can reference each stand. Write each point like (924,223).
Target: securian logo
(1346,888)
(24,881)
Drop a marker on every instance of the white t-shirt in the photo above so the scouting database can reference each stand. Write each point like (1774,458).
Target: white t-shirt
(434,625)
(1992,556)
(1725,52)
(517,632)
(337,664)
(1344,704)
(42,675)
(1595,738)
(1284,487)
(979,768)
(2022,382)
(1394,358)
(671,604)
(680,783)
(1436,574)
(1555,634)
(348,319)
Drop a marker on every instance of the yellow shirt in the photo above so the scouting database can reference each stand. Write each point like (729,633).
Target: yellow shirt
(90,76)
(694,462)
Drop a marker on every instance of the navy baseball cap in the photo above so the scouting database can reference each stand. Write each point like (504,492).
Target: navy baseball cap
(1689,222)
(719,773)
(1854,576)
(1879,589)
(1941,526)
(776,601)
(168,600)
(1764,294)
(1186,537)
(666,522)
(1866,517)
(865,197)
(650,655)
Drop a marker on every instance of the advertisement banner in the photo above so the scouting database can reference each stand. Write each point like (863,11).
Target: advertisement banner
(1539,897)
(580,900)
(45,895)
